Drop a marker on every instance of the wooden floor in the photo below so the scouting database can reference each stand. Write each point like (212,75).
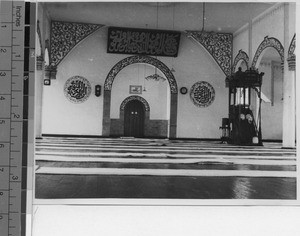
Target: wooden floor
(159,168)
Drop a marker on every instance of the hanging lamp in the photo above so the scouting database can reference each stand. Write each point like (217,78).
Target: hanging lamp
(155,76)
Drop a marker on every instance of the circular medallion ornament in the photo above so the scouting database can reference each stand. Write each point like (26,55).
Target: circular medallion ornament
(183,90)
(202,94)
(77,89)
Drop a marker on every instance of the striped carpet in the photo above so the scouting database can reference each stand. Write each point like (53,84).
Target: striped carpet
(159,157)
(124,168)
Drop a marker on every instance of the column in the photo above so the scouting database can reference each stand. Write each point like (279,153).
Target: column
(173,115)
(106,113)
(289,111)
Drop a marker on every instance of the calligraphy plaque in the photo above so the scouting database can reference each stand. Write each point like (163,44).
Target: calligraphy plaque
(77,89)
(143,41)
(202,94)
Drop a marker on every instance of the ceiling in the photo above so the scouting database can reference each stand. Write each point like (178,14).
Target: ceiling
(220,16)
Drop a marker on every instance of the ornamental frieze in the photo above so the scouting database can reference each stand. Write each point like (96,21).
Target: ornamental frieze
(65,36)
(140,59)
(240,56)
(268,42)
(143,41)
(219,45)
(141,99)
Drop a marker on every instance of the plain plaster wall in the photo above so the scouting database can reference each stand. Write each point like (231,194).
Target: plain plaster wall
(195,65)
(272,114)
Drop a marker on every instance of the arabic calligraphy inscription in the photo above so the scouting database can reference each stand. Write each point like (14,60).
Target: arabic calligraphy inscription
(143,41)
(77,89)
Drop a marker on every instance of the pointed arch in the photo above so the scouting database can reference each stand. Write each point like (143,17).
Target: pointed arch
(268,42)
(240,56)
(130,98)
(140,59)
(292,46)
(129,61)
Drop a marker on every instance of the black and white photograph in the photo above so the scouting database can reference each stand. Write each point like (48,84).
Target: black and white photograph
(148,118)
(165,100)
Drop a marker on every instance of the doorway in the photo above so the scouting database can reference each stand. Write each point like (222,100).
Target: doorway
(134,119)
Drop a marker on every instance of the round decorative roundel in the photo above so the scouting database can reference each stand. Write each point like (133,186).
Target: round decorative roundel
(183,90)
(202,94)
(77,89)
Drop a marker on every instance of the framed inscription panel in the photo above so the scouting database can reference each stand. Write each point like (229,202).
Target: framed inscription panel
(143,41)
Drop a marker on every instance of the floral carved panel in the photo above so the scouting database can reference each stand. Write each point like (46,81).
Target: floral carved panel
(240,56)
(65,36)
(141,99)
(219,45)
(268,42)
(140,59)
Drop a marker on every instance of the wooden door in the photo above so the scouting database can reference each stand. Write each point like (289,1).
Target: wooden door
(134,119)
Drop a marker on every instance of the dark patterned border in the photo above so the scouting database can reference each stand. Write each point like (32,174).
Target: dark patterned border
(207,100)
(292,46)
(77,89)
(65,36)
(140,59)
(240,56)
(219,45)
(38,30)
(268,42)
(141,99)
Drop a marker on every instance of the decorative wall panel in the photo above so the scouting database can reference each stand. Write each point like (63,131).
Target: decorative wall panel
(141,99)
(77,89)
(140,59)
(292,46)
(65,36)
(240,56)
(219,45)
(143,41)
(291,55)
(268,42)
(202,94)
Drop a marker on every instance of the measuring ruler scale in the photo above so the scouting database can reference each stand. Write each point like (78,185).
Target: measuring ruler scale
(15,73)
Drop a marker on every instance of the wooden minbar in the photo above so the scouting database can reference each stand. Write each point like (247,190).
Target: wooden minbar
(242,127)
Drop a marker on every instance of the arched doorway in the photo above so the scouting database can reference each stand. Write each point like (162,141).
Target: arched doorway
(172,124)
(134,119)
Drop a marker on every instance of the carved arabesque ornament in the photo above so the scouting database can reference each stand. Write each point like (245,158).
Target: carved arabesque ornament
(65,36)
(292,46)
(130,98)
(268,42)
(140,59)
(219,45)
(240,56)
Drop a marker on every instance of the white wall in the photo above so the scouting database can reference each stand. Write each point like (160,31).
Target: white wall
(195,65)
(272,114)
